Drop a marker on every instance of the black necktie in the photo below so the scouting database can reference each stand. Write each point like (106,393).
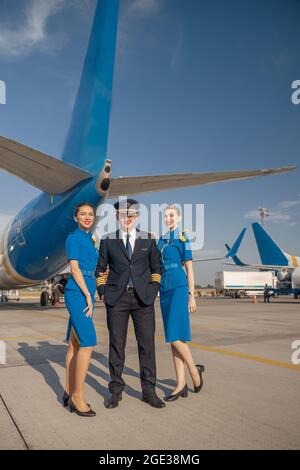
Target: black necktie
(128,246)
(129,252)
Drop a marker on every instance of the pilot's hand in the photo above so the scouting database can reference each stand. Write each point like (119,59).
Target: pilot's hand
(89,308)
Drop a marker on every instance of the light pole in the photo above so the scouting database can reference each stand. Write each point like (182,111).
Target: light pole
(263,212)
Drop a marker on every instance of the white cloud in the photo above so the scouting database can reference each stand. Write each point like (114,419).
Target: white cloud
(289,204)
(144,6)
(32,32)
(278,214)
(134,11)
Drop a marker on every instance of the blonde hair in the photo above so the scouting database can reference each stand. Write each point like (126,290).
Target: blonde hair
(173,207)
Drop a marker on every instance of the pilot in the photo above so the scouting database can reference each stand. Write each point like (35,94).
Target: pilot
(131,288)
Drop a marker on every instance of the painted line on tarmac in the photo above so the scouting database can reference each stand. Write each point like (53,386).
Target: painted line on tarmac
(14,422)
(249,357)
(214,349)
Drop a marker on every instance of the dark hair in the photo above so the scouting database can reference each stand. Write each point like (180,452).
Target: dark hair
(78,206)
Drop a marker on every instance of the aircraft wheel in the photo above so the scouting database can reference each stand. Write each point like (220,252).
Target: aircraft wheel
(44,298)
(55,296)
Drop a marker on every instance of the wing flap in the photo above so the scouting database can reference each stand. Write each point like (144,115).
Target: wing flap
(129,185)
(38,169)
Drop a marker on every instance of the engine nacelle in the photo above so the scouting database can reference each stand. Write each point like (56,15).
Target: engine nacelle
(104,179)
(296,279)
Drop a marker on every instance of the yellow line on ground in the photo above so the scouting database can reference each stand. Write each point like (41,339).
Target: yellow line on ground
(225,352)
(249,357)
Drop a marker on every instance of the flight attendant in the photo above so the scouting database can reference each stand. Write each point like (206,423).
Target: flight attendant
(79,298)
(177,301)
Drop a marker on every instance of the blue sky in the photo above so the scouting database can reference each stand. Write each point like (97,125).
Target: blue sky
(200,85)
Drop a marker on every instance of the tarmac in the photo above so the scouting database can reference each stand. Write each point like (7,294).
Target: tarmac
(250,398)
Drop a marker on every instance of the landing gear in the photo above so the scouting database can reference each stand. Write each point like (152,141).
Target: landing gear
(55,296)
(53,290)
(44,298)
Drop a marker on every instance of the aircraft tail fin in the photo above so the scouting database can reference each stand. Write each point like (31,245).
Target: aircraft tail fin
(234,258)
(86,144)
(270,253)
(233,251)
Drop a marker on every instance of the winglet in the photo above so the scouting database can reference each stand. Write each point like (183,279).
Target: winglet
(233,251)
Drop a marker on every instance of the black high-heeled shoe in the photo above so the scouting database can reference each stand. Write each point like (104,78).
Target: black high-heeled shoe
(201,369)
(87,414)
(65,400)
(182,393)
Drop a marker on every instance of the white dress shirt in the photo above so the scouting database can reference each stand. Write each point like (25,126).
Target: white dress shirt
(132,237)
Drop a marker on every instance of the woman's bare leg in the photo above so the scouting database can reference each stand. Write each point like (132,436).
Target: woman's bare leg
(184,351)
(71,363)
(179,369)
(82,364)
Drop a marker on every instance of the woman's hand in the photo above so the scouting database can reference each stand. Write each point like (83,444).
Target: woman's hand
(192,304)
(89,307)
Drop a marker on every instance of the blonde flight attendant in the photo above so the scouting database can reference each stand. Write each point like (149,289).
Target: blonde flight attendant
(177,301)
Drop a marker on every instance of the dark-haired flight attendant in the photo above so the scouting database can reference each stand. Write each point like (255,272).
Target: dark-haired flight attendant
(177,301)
(79,298)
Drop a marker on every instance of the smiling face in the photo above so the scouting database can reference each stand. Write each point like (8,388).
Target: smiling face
(127,219)
(85,217)
(171,218)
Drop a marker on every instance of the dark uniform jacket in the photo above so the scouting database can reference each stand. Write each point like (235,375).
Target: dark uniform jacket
(144,267)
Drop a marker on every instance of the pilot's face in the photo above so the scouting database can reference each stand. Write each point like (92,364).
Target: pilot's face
(127,219)
(171,218)
(85,217)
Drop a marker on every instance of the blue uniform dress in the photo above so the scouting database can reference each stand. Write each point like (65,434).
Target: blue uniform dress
(80,247)
(174,286)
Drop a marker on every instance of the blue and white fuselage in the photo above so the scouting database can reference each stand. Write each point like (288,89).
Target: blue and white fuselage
(33,245)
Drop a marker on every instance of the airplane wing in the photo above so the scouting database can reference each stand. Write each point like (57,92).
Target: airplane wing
(265,267)
(208,259)
(129,185)
(38,169)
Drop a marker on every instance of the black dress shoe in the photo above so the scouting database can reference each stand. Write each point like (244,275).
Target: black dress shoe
(153,400)
(182,393)
(200,370)
(113,401)
(65,400)
(87,414)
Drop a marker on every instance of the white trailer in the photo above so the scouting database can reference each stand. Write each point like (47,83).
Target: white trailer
(239,284)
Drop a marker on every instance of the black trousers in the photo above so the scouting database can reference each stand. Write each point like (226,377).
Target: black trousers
(143,317)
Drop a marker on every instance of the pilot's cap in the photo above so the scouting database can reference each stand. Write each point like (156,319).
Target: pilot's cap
(127,206)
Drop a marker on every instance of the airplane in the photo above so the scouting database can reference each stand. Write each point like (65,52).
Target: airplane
(32,247)
(231,252)
(273,258)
